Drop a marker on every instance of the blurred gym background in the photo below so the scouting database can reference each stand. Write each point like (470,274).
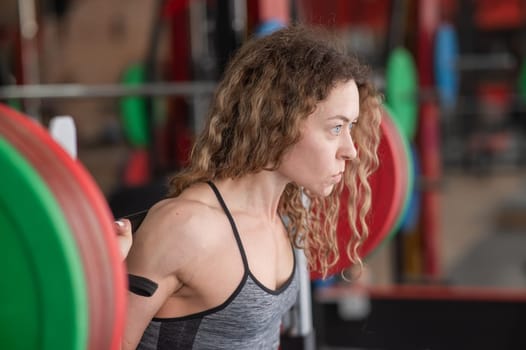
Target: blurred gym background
(464,67)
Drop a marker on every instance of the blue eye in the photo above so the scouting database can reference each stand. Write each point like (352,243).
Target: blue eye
(337,129)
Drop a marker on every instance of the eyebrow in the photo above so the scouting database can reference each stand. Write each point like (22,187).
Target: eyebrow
(344,118)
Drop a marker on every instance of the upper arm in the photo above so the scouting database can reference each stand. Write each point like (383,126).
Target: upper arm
(158,254)
(139,313)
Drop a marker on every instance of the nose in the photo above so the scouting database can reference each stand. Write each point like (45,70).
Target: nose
(347,150)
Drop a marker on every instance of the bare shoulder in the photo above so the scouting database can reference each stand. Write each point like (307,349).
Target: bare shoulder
(166,249)
(175,232)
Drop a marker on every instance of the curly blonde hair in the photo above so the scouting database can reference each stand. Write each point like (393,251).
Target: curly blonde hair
(271,85)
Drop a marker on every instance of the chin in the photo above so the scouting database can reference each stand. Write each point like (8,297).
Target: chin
(329,190)
(322,191)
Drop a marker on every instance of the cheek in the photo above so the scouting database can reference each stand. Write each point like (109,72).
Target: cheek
(319,152)
(309,158)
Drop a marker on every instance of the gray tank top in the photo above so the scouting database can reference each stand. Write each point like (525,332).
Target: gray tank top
(249,319)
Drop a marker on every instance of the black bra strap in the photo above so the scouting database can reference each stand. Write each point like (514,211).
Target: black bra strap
(232,223)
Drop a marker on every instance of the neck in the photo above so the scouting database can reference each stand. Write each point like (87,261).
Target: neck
(256,193)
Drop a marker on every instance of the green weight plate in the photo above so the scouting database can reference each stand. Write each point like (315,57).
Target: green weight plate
(133,109)
(88,214)
(401,90)
(92,247)
(44,303)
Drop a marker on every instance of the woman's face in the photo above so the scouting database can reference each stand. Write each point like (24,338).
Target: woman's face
(318,160)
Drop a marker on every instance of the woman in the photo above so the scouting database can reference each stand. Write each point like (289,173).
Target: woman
(212,266)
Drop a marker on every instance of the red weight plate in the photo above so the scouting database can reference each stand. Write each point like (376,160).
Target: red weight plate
(91,246)
(120,282)
(388,188)
(95,216)
(405,161)
(45,282)
(388,185)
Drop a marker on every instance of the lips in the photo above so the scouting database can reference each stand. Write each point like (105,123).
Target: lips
(337,178)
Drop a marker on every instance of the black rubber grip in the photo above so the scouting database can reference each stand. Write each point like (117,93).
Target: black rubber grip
(141,285)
